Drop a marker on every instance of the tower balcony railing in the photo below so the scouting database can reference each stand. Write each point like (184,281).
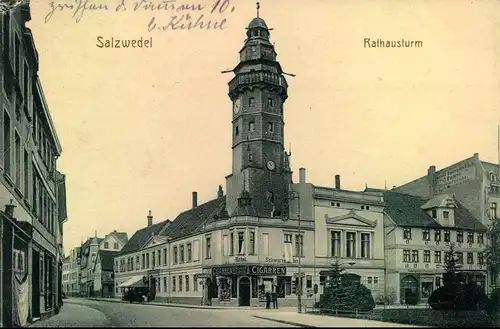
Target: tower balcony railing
(257,77)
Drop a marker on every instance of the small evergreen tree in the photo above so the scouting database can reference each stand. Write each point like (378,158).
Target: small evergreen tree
(452,267)
(343,294)
(492,251)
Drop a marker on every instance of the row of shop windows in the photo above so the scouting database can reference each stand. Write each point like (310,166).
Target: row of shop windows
(426,235)
(412,256)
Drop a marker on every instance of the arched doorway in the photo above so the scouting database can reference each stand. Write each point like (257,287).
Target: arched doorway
(409,290)
(244,291)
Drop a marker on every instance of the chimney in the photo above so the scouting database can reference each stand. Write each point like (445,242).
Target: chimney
(220,192)
(195,199)
(431,177)
(150,219)
(337,182)
(476,155)
(302,175)
(9,209)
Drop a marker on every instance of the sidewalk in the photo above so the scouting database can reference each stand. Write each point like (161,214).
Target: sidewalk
(216,307)
(314,321)
(74,315)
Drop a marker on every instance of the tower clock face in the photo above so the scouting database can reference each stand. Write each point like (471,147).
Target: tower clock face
(237,105)
(271,165)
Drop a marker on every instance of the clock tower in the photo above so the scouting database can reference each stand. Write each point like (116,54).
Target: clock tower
(258,185)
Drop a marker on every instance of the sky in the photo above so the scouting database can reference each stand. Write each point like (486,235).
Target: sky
(142,128)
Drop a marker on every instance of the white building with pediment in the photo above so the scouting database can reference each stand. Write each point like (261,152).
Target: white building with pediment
(348,227)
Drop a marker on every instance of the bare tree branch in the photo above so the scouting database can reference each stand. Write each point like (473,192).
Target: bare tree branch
(8,5)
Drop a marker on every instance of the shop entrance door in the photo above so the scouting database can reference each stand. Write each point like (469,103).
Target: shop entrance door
(244,292)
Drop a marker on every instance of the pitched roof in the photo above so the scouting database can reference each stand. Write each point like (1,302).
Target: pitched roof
(141,236)
(190,221)
(122,236)
(107,259)
(406,210)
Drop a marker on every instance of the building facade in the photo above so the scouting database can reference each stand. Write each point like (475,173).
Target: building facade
(89,254)
(348,229)
(418,232)
(30,182)
(474,183)
(70,273)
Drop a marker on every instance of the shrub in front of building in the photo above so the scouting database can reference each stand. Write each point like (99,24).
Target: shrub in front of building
(346,295)
(458,296)
(493,308)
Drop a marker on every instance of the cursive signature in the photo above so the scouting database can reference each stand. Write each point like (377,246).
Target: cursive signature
(79,7)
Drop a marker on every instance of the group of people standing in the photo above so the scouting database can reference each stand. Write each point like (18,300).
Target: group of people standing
(272,297)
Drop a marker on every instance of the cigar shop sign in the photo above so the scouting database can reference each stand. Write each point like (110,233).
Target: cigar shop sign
(249,270)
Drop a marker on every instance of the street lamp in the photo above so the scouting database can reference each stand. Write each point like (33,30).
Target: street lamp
(291,196)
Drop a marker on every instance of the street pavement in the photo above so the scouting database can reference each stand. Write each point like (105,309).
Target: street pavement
(89,313)
(80,312)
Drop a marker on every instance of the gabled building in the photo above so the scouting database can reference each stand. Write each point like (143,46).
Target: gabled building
(102,274)
(88,256)
(418,232)
(145,253)
(473,182)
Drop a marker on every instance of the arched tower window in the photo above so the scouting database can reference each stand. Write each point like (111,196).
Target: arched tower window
(251,102)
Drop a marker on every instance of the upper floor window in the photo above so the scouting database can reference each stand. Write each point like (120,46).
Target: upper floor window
(271,127)
(208,247)
(137,262)
(236,130)
(106,245)
(251,250)
(470,258)
(270,101)
(446,236)
(365,245)
(241,243)
(175,255)
(480,238)
(251,102)
(470,237)
(406,256)
(165,256)
(426,234)
(231,243)
(460,236)
(350,251)
(414,256)
(189,252)
(493,210)
(116,245)
(335,244)
(434,213)
(181,253)
(251,126)
(153,259)
(437,257)
(407,233)
(460,257)
(427,256)
(299,245)
(446,214)
(437,235)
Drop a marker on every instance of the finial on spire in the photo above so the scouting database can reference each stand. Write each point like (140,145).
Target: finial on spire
(258,7)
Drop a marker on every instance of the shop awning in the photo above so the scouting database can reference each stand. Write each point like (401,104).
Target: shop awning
(135,281)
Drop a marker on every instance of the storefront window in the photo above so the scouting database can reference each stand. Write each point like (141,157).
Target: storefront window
(255,287)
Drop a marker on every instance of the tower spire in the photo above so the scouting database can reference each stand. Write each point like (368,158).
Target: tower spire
(258,7)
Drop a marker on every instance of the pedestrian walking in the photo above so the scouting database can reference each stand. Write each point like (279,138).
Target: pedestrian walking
(268,299)
(274,297)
